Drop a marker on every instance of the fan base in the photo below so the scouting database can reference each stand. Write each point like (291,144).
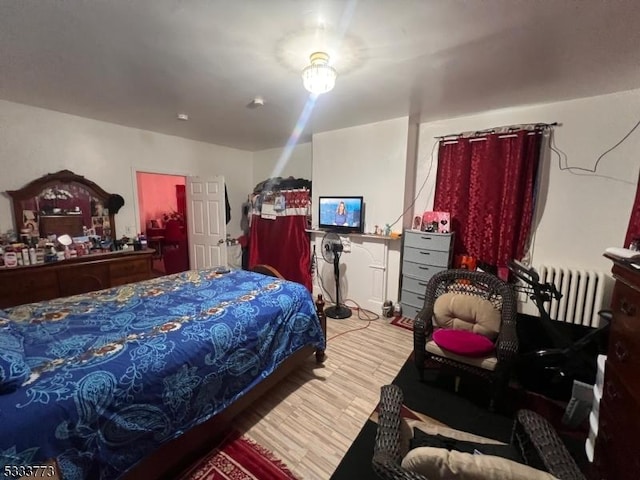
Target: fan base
(338,311)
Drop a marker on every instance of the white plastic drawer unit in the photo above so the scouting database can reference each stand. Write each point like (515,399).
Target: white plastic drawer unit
(415,285)
(415,299)
(419,271)
(426,257)
(410,311)
(424,254)
(428,241)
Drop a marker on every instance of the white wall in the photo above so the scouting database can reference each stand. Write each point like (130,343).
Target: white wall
(37,141)
(367,160)
(582,213)
(281,162)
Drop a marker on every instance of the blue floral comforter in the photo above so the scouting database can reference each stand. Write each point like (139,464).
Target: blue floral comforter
(116,373)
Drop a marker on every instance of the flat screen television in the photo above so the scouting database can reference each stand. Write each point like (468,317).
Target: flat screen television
(341,214)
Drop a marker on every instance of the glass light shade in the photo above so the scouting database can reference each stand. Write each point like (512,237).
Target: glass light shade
(319,77)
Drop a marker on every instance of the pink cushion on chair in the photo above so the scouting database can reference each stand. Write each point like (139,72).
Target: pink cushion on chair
(463,342)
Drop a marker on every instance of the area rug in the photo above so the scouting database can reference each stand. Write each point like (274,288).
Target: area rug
(436,401)
(403,322)
(239,458)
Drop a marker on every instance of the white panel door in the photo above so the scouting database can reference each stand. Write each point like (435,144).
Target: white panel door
(206,222)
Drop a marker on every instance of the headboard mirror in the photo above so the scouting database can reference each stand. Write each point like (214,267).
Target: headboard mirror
(64,203)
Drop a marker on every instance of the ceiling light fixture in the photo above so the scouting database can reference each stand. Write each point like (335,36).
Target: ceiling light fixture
(319,77)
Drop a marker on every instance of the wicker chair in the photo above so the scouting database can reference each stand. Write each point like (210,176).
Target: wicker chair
(486,286)
(535,439)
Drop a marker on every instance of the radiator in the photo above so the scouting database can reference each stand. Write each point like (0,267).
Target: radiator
(583,292)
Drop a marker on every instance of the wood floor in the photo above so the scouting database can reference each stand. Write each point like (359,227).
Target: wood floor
(311,418)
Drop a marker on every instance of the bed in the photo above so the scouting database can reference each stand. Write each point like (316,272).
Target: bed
(131,381)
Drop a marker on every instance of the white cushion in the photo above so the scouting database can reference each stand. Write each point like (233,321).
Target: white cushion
(443,464)
(437,429)
(467,312)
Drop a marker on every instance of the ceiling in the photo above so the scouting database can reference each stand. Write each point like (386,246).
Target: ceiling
(141,62)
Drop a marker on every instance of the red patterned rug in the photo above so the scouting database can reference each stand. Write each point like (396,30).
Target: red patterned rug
(239,458)
(403,322)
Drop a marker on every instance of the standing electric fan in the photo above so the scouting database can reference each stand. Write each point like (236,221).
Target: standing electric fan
(332,248)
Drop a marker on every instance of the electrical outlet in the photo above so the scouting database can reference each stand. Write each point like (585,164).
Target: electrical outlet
(346,244)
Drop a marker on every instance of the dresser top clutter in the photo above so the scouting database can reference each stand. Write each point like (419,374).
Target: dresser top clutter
(64,242)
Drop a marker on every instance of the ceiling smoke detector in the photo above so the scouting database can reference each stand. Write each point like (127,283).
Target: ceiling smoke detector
(256,102)
(183,116)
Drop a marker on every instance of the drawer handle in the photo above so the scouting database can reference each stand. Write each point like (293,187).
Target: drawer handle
(621,352)
(426,238)
(423,268)
(425,253)
(420,297)
(422,284)
(627,308)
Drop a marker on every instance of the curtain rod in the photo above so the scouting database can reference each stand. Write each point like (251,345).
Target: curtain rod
(503,129)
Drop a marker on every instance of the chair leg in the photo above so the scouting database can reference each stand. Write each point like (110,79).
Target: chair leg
(418,360)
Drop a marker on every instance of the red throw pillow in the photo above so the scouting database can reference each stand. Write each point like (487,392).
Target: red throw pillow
(463,342)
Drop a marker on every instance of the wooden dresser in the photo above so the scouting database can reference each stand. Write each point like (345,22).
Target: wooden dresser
(616,455)
(47,281)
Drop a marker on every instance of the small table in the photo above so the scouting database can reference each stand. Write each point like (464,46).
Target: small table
(156,242)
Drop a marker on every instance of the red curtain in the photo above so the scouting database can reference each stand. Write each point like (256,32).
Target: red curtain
(633,231)
(281,241)
(181,200)
(488,186)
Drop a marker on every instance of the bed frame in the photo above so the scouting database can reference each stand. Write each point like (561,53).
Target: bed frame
(171,459)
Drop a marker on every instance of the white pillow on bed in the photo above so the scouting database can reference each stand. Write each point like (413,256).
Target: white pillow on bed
(13,366)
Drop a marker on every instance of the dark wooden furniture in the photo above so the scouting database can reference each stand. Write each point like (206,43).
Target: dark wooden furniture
(616,452)
(44,206)
(88,273)
(61,224)
(267,270)
(178,455)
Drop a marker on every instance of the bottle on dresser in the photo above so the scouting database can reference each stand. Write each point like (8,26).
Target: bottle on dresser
(25,256)
(10,257)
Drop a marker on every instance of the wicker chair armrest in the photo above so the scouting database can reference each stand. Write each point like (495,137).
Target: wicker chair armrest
(424,319)
(542,448)
(422,331)
(388,449)
(507,345)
